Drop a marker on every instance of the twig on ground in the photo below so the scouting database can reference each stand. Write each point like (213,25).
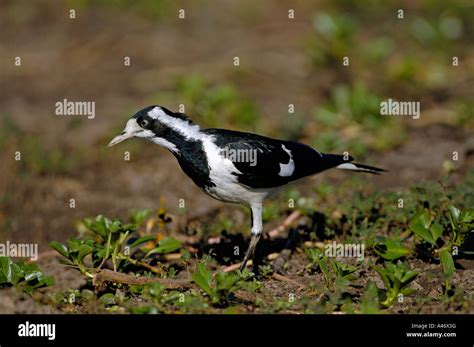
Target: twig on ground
(236,266)
(172,256)
(147,266)
(282,278)
(106,275)
(286,223)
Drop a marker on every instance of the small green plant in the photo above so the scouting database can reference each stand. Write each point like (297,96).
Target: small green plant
(462,223)
(105,239)
(391,249)
(315,255)
(339,278)
(397,278)
(333,269)
(265,270)
(24,276)
(424,226)
(447,264)
(370,299)
(220,287)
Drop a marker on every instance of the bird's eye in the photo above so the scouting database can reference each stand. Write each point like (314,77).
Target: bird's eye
(144,123)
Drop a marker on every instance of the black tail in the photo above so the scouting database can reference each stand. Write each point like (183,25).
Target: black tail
(345,163)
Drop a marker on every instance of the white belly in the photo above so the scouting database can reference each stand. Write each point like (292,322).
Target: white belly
(234,192)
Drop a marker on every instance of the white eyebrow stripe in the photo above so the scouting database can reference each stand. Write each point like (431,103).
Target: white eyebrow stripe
(188,130)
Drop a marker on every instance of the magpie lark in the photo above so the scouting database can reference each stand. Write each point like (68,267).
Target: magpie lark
(212,158)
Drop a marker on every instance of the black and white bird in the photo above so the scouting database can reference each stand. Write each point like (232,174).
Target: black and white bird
(233,166)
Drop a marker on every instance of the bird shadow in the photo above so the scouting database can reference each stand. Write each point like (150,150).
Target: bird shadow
(231,247)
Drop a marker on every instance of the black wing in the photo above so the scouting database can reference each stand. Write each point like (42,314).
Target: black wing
(275,162)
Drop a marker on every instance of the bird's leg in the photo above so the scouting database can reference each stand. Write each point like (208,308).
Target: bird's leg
(256,232)
(250,251)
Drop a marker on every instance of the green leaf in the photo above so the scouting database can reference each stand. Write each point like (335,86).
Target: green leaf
(203,278)
(60,248)
(103,226)
(408,277)
(139,216)
(315,255)
(391,249)
(107,299)
(447,264)
(453,217)
(324,269)
(226,281)
(343,269)
(384,276)
(396,278)
(11,273)
(407,291)
(420,224)
(28,275)
(167,245)
(6,271)
(83,251)
(455,212)
(370,299)
(436,231)
(142,240)
(341,283)
(467,216)
(34,277)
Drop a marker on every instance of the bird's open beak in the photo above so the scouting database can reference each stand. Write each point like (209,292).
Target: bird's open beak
(122,137)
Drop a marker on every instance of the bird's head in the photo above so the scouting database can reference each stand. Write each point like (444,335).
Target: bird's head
(159,125)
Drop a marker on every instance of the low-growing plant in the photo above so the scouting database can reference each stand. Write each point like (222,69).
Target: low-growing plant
(462,223)
(391,249)
(425,226)
(105,239)
(265,270)
(222,285)
(397,278)
(25,276)
(315,255)
(339,278)
(370,299)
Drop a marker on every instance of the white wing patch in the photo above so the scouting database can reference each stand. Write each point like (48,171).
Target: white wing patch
(287,169)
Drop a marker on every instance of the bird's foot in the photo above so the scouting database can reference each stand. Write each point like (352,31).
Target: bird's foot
(250,251)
